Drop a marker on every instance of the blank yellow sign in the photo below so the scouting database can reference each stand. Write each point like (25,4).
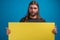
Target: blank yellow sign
(31,31)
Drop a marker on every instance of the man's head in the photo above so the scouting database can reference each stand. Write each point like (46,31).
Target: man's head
(33,9)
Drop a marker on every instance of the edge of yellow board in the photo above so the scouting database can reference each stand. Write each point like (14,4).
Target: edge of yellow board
(26,32)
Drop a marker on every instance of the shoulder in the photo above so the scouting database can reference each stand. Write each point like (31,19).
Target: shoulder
(42,20)
(23,19)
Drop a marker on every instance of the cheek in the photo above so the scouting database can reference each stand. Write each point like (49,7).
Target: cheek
(30,10)
(36,10)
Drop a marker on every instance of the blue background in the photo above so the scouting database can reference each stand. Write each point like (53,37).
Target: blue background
(14,10)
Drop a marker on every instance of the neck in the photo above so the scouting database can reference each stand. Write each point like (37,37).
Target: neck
(33,17)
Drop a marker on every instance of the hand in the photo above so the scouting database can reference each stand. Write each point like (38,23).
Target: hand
(54,30)
(8,31)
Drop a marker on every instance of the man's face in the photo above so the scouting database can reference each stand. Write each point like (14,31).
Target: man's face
(33,9)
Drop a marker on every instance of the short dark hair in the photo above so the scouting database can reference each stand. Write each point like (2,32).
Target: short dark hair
(34,2)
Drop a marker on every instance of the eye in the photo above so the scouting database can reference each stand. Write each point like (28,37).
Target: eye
(31,8)
(35,8)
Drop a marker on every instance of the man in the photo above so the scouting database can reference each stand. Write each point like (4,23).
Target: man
(33,13)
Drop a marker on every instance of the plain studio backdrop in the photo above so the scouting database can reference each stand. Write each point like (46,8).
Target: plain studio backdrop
(14,10)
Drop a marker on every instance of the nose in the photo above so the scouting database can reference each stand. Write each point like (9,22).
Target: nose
(33,10)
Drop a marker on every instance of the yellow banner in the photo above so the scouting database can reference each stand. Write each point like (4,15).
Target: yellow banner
(31,31)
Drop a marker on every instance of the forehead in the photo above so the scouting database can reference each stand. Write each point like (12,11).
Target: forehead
(33,5)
